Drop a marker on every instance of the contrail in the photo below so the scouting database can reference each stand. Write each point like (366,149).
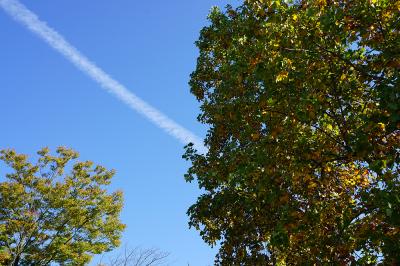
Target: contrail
(31,21)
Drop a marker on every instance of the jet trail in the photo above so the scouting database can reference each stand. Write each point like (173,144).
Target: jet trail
(31,21)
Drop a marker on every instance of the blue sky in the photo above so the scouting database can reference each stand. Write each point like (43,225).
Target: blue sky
(148,47)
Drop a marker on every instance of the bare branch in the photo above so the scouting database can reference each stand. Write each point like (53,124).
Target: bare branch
(139,257)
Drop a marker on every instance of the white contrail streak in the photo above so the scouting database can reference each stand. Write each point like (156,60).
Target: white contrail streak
(30,20)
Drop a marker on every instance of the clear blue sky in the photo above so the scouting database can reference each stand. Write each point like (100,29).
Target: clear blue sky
(147,46)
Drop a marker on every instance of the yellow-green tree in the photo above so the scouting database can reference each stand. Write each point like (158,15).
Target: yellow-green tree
(56,210)
(302,99)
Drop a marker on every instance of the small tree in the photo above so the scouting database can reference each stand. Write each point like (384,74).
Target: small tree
(49,216)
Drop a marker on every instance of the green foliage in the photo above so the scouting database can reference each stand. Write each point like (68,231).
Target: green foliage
(302,99)
(49,216)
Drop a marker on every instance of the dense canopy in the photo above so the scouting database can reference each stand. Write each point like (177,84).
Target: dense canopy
(56,212)
(303,103)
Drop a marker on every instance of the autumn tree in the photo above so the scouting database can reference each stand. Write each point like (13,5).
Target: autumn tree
(56,210)
(302,100)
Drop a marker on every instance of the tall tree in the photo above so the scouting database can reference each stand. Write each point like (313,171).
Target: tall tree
(302,99)
(49,216)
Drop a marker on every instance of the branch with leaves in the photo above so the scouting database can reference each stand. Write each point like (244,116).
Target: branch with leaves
(49,216)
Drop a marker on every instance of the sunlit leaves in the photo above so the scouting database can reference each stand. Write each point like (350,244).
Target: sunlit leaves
(49,216)
(302,99)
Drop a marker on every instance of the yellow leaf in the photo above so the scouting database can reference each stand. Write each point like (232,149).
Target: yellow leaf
(312,185)
(382,126)
(282,75)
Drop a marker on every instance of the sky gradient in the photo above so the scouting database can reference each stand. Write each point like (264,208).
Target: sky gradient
(148,47)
